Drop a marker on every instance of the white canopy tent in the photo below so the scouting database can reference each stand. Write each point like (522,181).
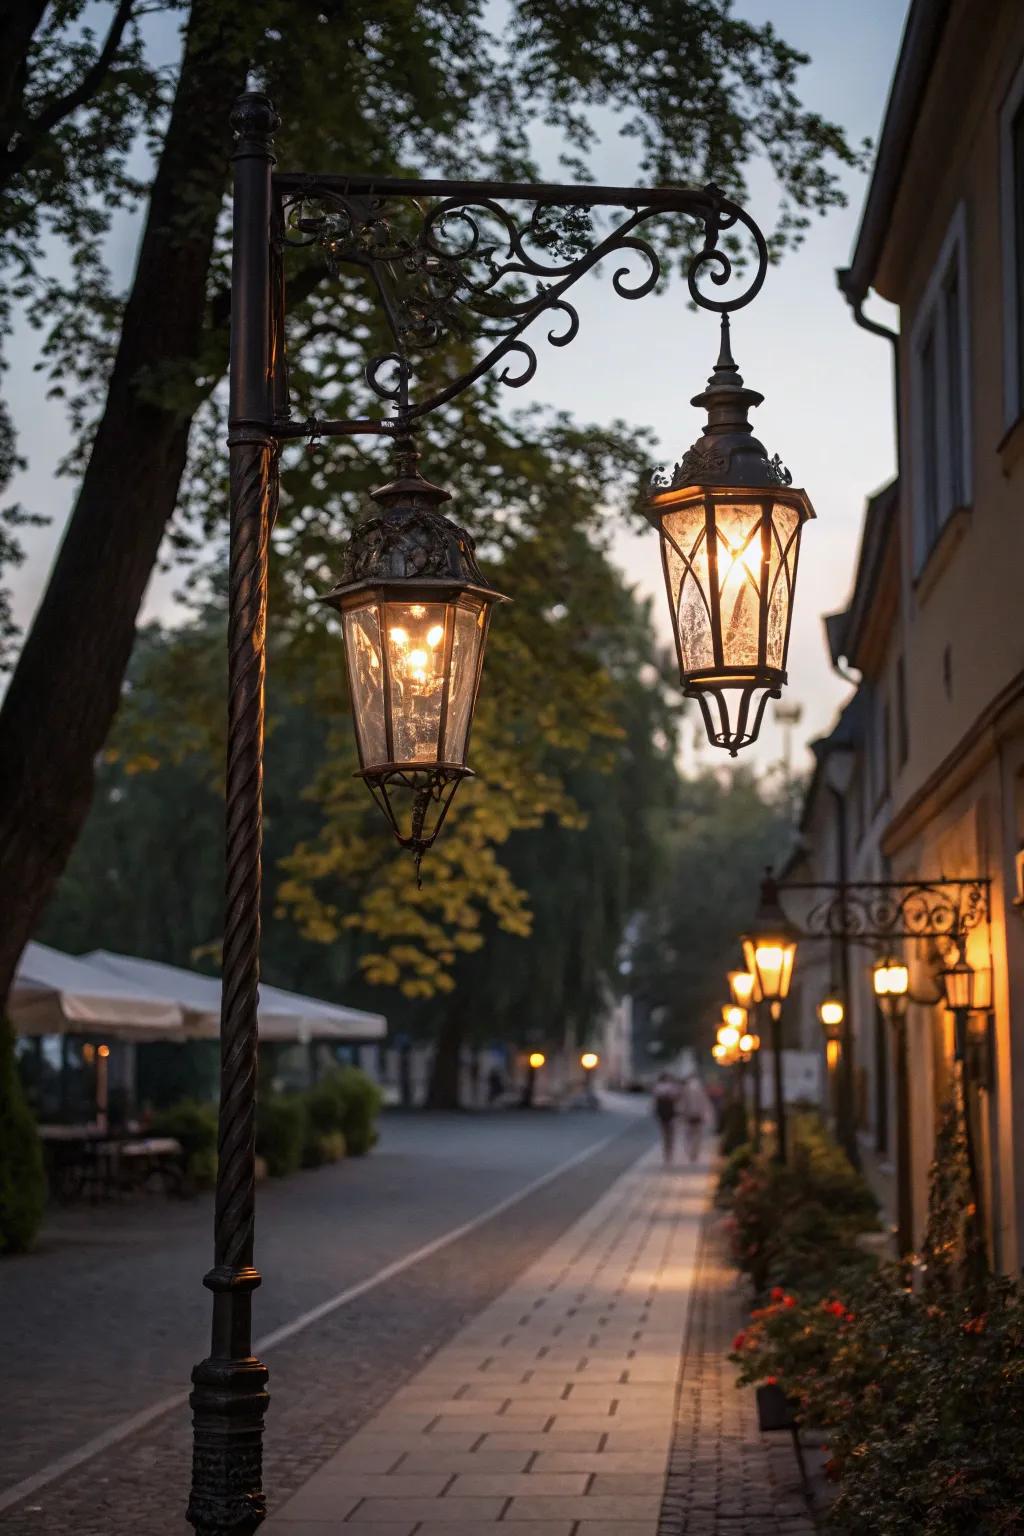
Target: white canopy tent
(58,994)
(283,1016)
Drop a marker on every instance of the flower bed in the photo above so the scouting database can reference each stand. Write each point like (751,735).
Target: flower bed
(916,1374)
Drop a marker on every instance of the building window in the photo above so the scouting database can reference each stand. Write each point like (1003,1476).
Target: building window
(940,400)
(1011,155)
(902,719)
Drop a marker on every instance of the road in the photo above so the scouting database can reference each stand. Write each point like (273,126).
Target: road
(108,1316)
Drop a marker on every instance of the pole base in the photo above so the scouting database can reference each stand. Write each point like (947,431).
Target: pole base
(228,1402)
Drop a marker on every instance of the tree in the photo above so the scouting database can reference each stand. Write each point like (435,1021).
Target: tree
(421,83)
(144,876)
(725,828)
(22,1181)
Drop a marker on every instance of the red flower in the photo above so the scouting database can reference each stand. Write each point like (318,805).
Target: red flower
(778,1294)
(789,1301)
(772,1381)
(738,1342)
(836,1308)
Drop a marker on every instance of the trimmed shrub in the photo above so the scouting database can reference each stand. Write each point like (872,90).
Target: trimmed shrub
(796,1224)
(281,1132)
(737,1163)
(22,1179)
(734,1129)
(331,1147)
(195,1126)
(348,1101)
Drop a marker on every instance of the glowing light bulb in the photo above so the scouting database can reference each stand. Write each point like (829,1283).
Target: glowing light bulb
(400,636)
(417,610)
(435,634)
(418,658)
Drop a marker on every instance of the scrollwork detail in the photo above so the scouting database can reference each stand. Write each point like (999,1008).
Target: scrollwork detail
(465,266)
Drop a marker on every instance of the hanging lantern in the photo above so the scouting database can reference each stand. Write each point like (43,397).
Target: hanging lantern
(742,985)
(415,610)
(730,525)
(831,1013)
(891,982)
(769,949)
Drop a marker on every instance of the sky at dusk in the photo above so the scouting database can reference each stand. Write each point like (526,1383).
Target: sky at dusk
(827,384)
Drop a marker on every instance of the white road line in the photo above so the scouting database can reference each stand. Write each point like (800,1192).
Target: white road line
(48,1474)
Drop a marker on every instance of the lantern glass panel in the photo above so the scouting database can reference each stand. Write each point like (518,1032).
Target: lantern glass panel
(470,629)
(753,550)
(958,987)
(363,657)
(416,652)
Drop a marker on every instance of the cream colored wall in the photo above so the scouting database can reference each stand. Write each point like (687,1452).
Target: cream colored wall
(968,596)
(962,839)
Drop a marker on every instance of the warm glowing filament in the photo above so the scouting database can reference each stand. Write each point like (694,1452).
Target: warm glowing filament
(729,1036)
(435,634)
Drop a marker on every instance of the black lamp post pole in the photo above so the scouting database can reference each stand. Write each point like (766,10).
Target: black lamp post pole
(229,1395)
(758,1101)
(775,1008)
(904,1203)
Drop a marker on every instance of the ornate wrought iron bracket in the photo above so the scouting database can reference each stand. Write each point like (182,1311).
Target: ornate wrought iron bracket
(885,912)
(450,261)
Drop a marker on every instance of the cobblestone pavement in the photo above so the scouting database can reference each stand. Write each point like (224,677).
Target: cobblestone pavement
(726,1478)
(551,1411)
(315,1235)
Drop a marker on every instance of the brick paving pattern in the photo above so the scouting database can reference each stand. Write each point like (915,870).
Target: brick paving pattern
(327,1381)
(553,1410)
(726,1478)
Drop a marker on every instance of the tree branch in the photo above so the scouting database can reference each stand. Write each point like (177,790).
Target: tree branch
(12,160)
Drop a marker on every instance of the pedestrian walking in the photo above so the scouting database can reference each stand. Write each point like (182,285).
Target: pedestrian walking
(696,1111)
(666,1099)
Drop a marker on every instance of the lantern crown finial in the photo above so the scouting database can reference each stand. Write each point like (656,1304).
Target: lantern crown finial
(728,453)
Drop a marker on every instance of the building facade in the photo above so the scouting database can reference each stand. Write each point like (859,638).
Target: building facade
(932,628)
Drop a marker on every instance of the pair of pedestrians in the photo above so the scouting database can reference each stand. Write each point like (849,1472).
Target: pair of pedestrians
(686,1101)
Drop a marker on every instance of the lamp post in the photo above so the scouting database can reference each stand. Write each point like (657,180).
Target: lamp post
(445,259)
(769,952)
(831,1013)
(891,982)
(589,1061)
(968,992)
(743,989)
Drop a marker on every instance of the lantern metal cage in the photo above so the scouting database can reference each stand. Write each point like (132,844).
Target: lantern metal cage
(415,610)
(730,522)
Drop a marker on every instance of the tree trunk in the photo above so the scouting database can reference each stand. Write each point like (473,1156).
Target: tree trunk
(443,1092)
(65,691)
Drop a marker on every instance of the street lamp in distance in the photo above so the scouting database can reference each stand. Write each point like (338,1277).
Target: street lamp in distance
(831,1013)
(891,981)
(743,988)
(769,953)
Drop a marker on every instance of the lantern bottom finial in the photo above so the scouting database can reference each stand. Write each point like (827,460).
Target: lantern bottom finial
(733,710)
(415,800)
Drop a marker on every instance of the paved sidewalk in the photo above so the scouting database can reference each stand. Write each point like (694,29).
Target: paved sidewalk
(554,1408)
(725,1477)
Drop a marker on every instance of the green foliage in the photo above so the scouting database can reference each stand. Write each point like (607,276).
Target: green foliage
(22,1180)
(922,1399)
(281,1132)
(736,1164)
(723,830)
(195,1126)
(920,1388)
(796,1224)
(953,1251)
(345,1103)
(735,1129)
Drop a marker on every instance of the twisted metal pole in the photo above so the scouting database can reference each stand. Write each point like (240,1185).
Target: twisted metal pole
(229,1395)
